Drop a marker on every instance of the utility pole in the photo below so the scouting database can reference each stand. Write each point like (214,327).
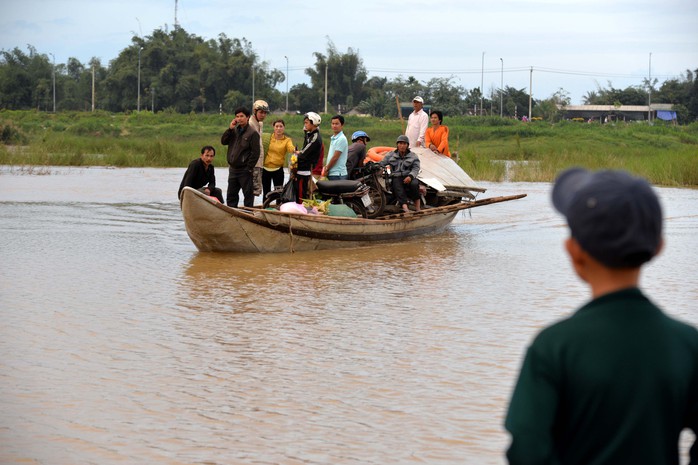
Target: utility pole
(53,74)
(649,93)
(482,82)
(139,79)
(530,94)
(501,91)
(286,83)
(326,65)
(253,84)
(93,87)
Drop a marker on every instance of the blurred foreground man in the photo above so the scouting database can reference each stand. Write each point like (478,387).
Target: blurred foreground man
(616,382)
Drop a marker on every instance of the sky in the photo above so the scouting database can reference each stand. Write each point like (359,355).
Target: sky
(574,45)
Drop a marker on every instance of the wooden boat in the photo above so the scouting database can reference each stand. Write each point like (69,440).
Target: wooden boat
(214,227)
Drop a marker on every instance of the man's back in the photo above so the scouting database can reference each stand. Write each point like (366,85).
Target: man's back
(614,384)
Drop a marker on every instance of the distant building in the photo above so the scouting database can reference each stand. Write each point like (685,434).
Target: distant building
(604,113)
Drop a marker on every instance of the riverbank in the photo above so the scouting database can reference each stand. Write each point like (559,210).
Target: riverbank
(666,155)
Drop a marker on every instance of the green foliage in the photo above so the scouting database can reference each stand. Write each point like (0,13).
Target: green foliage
(346,81)
(10,134)
(181,72)
(665,154)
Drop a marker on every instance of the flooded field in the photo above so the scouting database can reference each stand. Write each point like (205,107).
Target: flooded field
(120,343)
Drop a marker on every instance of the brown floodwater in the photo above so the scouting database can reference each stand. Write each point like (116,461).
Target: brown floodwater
(120,343)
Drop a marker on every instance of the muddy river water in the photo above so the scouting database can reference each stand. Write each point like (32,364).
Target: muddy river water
(121,344)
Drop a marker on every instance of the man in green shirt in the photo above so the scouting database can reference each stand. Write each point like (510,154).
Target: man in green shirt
(616,382)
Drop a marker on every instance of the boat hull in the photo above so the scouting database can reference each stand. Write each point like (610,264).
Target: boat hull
(214,227)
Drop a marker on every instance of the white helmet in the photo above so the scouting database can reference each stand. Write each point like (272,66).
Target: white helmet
(314,118)
(260,105)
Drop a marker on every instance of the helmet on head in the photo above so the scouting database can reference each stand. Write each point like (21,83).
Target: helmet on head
(314,118)
(403,138)
(358,134)
(260,105)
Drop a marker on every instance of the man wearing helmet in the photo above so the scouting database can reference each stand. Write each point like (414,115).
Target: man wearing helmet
(404,168)
(357,152)
(260,109)
(308,156)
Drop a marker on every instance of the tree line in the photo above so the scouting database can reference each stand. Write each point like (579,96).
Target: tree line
(181,72)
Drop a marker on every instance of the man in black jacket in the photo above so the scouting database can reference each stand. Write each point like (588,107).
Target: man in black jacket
(200,175)
(243,152)
(309,155)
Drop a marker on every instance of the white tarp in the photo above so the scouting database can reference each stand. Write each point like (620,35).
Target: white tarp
(444,171)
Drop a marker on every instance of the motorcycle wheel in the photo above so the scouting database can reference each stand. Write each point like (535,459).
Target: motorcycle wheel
(273,199)
(358,206)
(378,201)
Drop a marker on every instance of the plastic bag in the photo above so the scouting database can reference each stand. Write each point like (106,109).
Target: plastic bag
(288,194)
(293,207)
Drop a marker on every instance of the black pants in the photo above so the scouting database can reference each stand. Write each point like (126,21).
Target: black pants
(236,181)
(217,193)
(404,191)
(301,182)
(269,176)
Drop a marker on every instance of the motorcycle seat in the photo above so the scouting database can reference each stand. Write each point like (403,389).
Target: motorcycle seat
(338,187)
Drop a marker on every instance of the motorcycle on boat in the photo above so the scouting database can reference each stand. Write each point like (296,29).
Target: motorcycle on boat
(352,193)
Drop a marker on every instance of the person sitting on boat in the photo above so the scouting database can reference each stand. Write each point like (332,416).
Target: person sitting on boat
(243,152)
(356,152)
(201,175)
(436,137)
(308,156)
(404,168)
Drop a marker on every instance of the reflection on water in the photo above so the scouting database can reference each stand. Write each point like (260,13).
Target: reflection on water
(122,344)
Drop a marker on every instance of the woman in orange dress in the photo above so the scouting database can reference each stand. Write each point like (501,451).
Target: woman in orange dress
(436,137)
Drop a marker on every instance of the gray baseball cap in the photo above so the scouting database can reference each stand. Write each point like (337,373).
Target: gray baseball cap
(614,216)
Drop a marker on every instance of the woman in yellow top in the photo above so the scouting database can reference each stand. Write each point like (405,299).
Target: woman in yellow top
(436,137)
(279,145)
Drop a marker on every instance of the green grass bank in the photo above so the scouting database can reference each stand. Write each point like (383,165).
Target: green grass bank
(666,155)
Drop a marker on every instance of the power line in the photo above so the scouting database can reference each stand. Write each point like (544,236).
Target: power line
(597,74)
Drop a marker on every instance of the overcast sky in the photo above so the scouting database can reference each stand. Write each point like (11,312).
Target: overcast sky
(571,44)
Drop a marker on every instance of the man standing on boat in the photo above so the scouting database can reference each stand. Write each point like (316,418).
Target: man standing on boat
(243,153)
(616,382)
(260,110)
(201,175)
(308,156)
(336,166)
(417,123)
(404,168)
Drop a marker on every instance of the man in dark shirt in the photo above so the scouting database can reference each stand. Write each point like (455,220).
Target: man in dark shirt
(616,382)
(243,152)
(200,175)
(357,152)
